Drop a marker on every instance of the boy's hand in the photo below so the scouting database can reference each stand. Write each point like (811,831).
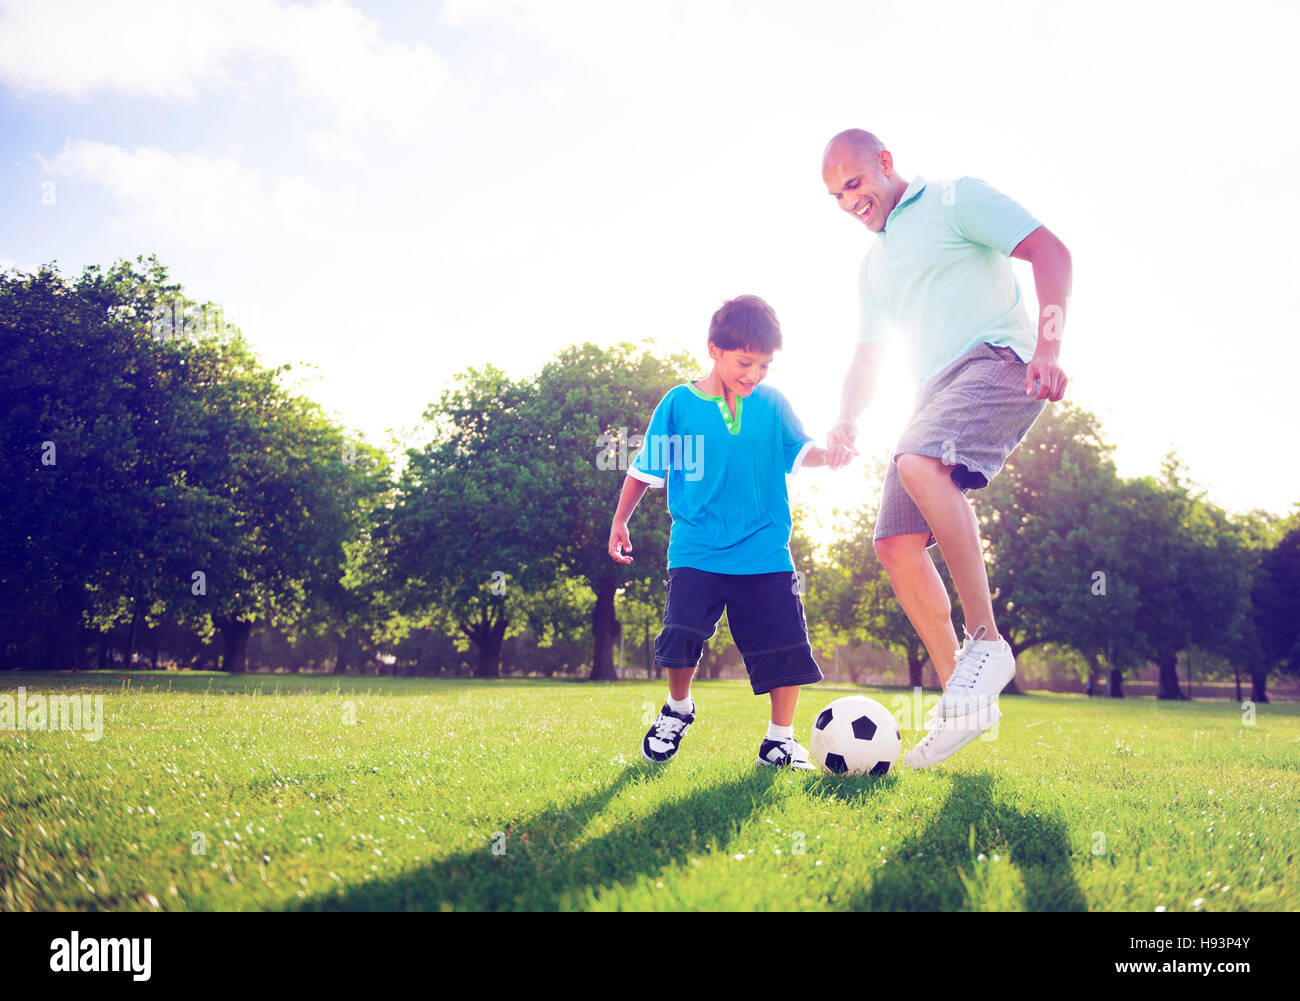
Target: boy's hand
(618,541)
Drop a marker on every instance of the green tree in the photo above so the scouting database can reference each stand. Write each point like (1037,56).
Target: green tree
(164,470)
(1275,611)
(462,534)
(1050,527)
(589,403)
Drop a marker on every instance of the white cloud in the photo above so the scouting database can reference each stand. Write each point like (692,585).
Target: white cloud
(197,201)
(333,145)
(335,56)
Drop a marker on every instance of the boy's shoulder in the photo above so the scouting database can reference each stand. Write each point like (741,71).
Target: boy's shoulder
(771,396)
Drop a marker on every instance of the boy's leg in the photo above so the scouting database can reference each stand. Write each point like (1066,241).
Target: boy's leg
(679,682)
(783,703)
(767,622)
(691,613)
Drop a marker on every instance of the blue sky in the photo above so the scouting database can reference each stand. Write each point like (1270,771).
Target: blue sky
(395,192)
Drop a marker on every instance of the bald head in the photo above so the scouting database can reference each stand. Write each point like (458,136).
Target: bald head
(859,174)
(855,143)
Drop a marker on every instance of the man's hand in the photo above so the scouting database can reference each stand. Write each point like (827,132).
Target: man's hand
(1053,276)
(1051,379)
(839,456)
(843,435)
(618,541)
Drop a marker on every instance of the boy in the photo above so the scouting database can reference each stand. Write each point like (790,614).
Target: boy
(730,541)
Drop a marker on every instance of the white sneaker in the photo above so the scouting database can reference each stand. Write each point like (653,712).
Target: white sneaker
(982,669)
(948,735)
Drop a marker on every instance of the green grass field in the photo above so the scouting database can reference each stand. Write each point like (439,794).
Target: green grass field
(285,792)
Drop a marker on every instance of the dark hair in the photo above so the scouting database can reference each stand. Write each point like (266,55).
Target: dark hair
(746,323)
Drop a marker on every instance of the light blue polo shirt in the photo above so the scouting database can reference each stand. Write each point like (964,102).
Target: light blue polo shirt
(940,274)
(725,477)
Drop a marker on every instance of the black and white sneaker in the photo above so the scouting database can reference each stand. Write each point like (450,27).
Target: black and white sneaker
(788,753)
(665,736)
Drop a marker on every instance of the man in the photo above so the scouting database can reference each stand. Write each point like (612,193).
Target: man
(940,273)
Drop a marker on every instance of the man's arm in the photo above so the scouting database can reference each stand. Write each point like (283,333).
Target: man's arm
(1053,274)
(859,389)
(633,491)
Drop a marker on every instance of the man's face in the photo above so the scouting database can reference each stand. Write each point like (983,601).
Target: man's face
(861,185)
(740,370)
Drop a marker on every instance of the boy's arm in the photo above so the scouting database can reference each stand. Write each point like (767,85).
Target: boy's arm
(833,457)
(633,491)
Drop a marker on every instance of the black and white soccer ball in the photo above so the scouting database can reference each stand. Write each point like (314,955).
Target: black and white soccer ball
(856,735)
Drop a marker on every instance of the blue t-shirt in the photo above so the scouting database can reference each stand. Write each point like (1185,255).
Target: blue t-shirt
(940,274)
(725,478)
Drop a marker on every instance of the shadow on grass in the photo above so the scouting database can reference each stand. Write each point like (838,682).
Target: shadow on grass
(544,867)
(922,873)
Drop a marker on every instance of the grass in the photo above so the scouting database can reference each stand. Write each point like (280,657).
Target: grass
(303,793)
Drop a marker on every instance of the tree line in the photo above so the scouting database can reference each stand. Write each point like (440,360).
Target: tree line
(163,490)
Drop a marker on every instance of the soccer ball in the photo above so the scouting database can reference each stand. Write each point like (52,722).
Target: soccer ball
(856,735)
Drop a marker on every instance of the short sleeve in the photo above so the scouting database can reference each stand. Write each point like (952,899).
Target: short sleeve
(650,464)
(795,442)
(873,323)
(986,216)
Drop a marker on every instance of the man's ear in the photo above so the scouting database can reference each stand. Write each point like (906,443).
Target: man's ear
(886,162)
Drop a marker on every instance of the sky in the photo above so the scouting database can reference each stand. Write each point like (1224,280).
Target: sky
(386,194)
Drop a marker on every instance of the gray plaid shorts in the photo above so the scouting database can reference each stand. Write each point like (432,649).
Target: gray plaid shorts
(970,416)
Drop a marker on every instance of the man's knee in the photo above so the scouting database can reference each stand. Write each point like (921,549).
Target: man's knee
(915,470)
(899,551)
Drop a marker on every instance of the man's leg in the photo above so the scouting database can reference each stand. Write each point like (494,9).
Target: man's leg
(952,520)
(924,598)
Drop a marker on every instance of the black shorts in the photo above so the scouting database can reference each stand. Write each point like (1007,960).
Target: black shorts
(766,618)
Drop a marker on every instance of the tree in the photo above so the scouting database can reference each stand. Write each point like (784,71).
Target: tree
(1049,524)
(1275,611)
(581,422)
(1187,576)
(462,535)
(169,473)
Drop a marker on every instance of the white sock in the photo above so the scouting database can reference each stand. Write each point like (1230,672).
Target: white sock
(775,732)
(686,705)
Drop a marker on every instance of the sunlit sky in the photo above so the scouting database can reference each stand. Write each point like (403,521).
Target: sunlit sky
(396,192)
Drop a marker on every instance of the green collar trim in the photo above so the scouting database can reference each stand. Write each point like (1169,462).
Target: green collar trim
(733,423)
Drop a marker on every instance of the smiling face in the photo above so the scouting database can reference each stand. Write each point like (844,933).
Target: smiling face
(740,370)
(860,177)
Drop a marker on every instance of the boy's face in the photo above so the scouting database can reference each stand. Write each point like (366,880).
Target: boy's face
(740,370)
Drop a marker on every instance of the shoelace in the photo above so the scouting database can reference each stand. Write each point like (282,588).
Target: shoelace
(932,735)
(666,726)
(794,750)
(966,668)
